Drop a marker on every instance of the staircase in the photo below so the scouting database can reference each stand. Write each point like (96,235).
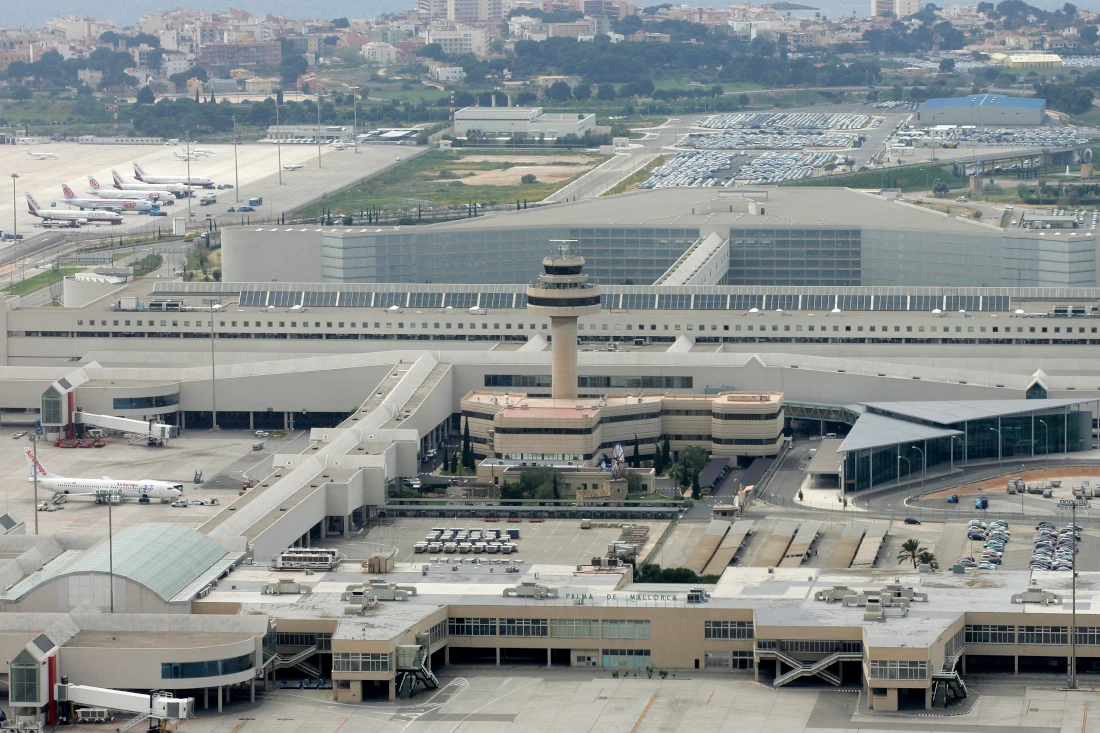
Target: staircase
(819,668)
(296,660)
(944,682)
(133,723)
(416,673)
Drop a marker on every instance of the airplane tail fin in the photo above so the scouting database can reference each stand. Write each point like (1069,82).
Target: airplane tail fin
(93,183)
(117,178)
(34,465)
(67,191)
(139,173)
(32,205)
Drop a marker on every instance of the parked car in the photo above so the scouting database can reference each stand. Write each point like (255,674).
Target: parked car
(912,520)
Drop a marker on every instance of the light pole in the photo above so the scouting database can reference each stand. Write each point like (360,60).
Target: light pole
(908,466)
(355,118)
(111,543)
(320,100)
(14,213)
(1073,610)
(1046,437)
(188,156)
(924,464)
(236,177)
(278,141)
(953,438)
(999,441)
(215,308)
(34,441)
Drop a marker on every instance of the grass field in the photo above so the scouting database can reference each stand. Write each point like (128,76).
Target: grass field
(39,281)
(906,178)
(631,182)
(456,178)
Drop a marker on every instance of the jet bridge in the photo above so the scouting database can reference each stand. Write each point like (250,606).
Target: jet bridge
(157,707)
(151,430)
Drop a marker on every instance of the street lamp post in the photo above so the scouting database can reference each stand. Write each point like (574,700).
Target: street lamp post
(1046,437)
(954,438)
(908,467)
(278,141)
(236,176)
(14,212)
(320,100)
(34,441)
(188,156)
(999,441)
(924,464)
(355,118)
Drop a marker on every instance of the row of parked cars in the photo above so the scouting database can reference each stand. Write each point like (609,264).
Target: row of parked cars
(995,535)
(769,140)
(1055,547)
(787,120)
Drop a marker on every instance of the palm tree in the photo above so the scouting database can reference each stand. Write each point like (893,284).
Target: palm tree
(927,558)
(910,552)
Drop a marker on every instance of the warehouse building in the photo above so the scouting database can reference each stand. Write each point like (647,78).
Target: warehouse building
(993,110)
(529,121)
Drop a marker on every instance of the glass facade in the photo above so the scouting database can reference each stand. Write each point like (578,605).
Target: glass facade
(613,254)
(213,668)
(146,403)
(990,438)
(626,658)
(51,407)
(813,256)
(23,685)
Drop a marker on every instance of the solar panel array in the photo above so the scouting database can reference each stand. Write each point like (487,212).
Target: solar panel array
(632,297)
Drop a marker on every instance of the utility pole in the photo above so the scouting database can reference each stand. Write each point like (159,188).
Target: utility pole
(188,156)
(111,546)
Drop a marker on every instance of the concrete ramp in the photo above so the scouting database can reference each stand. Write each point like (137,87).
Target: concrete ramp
(847,546)
(800,545)
(871,546)
(731,545)
(705,548)
(777,543)
(537,342)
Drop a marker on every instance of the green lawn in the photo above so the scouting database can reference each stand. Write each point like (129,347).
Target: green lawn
(631,182)
(434,177)
(39,281)
(907,178)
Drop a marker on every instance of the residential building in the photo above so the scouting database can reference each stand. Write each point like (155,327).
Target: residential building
(447,73)
(458,39)
(472,11)
(380,54)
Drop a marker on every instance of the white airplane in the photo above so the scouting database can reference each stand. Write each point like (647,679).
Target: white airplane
(179,190)
(185,156)
(199,181)
(293,167)
(71,217)
(41,156)
(201,151)
(163,197)
(118,205)
(145,488)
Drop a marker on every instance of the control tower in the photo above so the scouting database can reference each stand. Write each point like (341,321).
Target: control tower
(564,294)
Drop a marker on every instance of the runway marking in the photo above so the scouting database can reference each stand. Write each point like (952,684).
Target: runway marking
(644,713)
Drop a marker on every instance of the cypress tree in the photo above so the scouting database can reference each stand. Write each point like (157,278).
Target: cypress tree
(467,452)
(635,460)
(666,453)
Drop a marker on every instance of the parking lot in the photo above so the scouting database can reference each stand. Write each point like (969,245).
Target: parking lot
(721,168)
(796,121)
(767,140)
(553,541)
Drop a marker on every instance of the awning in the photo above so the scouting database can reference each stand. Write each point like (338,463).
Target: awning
(876,431)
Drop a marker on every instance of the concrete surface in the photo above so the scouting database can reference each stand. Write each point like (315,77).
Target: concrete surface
(178,461)
(495,700)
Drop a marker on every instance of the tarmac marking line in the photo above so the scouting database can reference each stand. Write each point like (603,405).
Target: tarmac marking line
(644,713)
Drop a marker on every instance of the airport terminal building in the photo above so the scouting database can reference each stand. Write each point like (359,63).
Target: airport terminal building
(816,237)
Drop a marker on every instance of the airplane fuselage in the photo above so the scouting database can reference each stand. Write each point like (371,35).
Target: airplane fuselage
(129,489)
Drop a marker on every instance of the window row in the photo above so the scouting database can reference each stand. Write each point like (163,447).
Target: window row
(557,628)
(1051,635)
(728,660)
(357,662)
(893,669)
(213,668)
(727,630)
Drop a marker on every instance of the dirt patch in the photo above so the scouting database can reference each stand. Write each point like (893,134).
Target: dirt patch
(511,176)
(540,159)
(1040,474)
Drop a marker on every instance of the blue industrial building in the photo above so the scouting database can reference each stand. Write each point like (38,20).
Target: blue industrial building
(983,109)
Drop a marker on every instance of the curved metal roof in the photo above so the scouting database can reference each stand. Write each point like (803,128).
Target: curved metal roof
(165,558)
